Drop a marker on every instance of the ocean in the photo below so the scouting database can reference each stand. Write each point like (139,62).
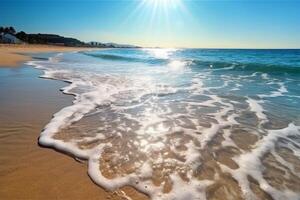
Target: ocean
(181,123)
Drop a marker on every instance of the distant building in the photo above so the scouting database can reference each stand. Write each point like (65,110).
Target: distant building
(96,44)
(111,45)
(9,38)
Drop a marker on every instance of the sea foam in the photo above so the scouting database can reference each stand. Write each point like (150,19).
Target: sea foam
(161,127)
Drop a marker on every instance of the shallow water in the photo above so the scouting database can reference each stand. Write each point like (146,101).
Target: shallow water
(182,123)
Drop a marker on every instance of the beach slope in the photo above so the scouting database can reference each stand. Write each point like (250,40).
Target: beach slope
(11,55)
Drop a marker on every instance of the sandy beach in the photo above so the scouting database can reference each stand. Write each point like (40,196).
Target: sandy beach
(174,143)
(11,55)
(27,170)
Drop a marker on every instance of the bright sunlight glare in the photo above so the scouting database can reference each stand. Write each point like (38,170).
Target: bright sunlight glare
(159,17)
(162,3)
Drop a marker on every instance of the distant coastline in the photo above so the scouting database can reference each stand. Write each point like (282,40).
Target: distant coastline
(9,35)
(15,45)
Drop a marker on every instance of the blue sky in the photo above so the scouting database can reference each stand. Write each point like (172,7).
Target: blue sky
(165,23)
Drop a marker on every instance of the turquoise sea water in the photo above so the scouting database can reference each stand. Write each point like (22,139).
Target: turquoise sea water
(178,113)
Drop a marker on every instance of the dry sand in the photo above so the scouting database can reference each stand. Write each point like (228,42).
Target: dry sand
(28,171)
(11,54)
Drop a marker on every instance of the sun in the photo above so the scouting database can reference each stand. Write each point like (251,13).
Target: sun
(157,18)
(164,3)
(160,0)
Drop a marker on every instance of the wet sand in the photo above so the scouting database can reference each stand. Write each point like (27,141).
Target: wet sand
(11,55)
(28,171)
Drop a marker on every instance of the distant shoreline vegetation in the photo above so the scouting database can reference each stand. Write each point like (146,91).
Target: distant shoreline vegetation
(11,36)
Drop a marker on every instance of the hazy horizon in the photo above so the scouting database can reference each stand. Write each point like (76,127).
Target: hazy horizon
(163,23)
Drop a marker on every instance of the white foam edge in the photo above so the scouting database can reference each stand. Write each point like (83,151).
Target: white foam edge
(250,164)
(255,107)
(62,119)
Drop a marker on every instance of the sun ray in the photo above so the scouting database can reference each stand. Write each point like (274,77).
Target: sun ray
(160,18)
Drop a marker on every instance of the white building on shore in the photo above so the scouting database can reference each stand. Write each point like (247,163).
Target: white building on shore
(9,38)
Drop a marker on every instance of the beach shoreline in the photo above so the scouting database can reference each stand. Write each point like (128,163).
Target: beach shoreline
(27,170)
(12,55)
